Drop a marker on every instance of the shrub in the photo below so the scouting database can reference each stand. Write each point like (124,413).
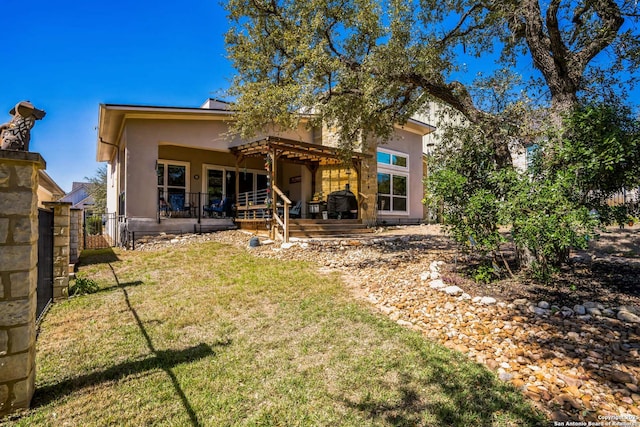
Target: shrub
(94,225)
(82,286)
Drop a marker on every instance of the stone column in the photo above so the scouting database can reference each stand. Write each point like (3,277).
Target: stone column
(61,226)
(19,276)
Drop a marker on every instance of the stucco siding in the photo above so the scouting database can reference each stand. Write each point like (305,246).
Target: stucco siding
(141,155)
(112,188)
(410,144)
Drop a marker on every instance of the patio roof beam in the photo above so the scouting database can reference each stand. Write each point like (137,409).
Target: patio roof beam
(293,151)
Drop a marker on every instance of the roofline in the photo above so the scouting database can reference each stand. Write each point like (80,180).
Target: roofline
(46,177)
(138,107)
(417,126)
(112,118)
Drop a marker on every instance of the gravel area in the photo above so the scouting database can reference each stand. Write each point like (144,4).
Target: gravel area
(573,347)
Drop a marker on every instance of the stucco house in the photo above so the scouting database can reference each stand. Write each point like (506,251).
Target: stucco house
(48,189)
(177,169)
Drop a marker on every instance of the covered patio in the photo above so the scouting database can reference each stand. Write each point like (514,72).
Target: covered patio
(275,204)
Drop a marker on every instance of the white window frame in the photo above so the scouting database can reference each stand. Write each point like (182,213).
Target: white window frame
(394,170)
(391,166)
(227,191)
(165,185)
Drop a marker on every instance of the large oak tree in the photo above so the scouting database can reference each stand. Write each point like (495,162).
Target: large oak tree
(364,65)
(512,68)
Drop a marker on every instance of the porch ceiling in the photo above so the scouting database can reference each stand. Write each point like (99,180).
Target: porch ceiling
(295,151)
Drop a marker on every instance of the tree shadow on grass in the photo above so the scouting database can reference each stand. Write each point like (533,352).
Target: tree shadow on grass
(98,256)
(165,360)
(455,393)
(122,285)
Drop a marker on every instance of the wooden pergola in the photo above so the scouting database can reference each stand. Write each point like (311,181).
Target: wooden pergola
(311,155)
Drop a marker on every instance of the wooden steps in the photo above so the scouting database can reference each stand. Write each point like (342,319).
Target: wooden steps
(309,228)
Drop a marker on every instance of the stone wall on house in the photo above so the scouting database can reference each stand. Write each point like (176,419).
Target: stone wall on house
(61,234)
(369,183)
(18,276)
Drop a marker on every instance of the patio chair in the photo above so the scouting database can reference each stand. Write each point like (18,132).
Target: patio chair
(218,208)
(296,210)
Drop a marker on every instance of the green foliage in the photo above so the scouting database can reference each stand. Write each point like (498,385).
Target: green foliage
(98,188)
(484,274)
(464,178)
(83,285)
(600,150)
(362,66)
(94,225)
(547,208)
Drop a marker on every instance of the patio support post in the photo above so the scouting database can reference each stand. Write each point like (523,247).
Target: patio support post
(357,166)
(274,182)
(313,168)
(237,189)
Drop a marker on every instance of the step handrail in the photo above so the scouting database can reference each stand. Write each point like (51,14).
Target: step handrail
(283,223)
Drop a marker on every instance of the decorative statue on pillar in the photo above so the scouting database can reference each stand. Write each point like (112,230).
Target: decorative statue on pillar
(15,135)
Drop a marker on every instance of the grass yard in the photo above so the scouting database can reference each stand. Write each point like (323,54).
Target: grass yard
(208,335)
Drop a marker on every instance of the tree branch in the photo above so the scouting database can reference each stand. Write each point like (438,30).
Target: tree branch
(454,31)
(612,20)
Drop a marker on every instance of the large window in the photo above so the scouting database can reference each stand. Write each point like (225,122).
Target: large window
(222,181)
(392,159)
(173,182)
(393,181)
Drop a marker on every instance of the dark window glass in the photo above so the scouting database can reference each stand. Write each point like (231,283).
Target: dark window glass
(384,183)
(176,176)
(400,161)
(399,203)
(262,182)
(399,185)
(384,203)
(246,182)
(160,174)
(214,184)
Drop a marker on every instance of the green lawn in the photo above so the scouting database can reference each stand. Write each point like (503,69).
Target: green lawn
(208,335)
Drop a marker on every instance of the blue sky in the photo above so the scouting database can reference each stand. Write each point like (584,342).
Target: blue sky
(68,56)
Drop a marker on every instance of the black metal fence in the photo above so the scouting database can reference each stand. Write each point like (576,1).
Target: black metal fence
(45,262)
(100,230)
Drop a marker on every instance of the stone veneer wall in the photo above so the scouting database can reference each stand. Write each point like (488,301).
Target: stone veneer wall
(369,182)
(18,276)
(61,233)
(76,238)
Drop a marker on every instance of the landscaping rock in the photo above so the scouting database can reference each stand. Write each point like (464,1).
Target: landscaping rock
(487,300)
(621,377)
(627,316)
(452,290)
(437,284)
(580,310)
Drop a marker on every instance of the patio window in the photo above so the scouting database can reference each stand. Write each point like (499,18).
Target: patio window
(173,182)
(222,181)
(393,181)
(392,159)
(392,192)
